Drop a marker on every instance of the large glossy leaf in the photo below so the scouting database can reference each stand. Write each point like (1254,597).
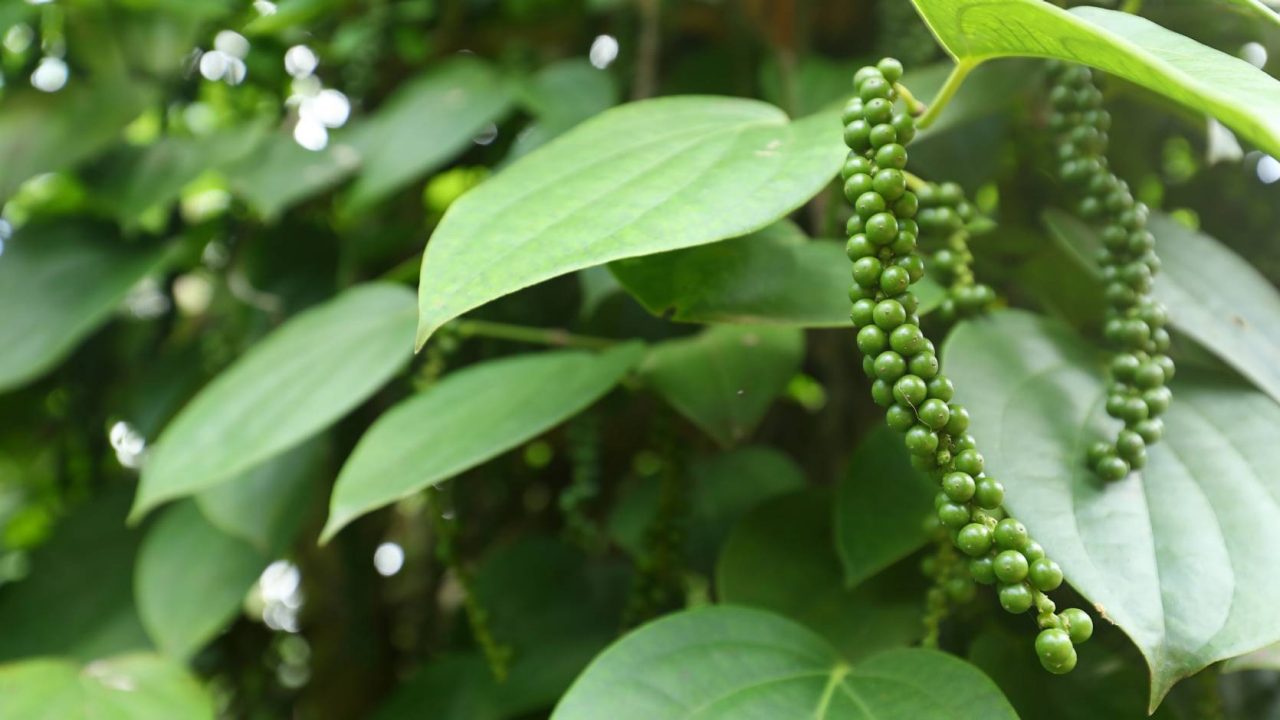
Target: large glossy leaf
(774,276)
(288,387)
(1213,295)
(726,663)
(1197,76)
(266,505)
(427,121)
(725,378)
(127,687)
(190,579)
(723,488)
(782,557)
(43,132)
(881,505)
(78,599)
(636,180)
(282,173)
(1170,554)
(60,282)
(468,417)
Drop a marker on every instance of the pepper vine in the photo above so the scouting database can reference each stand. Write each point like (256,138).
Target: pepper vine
(907,380)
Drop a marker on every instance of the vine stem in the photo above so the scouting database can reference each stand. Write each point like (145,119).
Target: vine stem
(954,81)
(539,336)
(915,182)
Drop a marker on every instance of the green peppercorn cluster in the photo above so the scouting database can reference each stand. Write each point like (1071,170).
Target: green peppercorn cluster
(945,214)
(906,378)
(574,500)
(1135,322)
(952,585)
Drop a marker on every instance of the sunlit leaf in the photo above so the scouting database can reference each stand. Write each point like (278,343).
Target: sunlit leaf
(1204,79)
(289,386)
(636,180)
(1170,553)
(468,417)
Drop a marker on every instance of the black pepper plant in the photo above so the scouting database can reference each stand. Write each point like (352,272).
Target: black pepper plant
(641,360)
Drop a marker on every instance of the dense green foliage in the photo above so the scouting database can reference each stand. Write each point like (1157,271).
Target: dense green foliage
(744,366)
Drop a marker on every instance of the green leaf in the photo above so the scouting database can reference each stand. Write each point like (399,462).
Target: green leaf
(560,96)
(1213,295)
(1168,554)
(774,276)
(881,505)
(467,418)
(428,120)
(132,687)
(66,282)
(289,386)
(1267,658)
(78,599)
(191,579)
(265,506)
(1107,684)
(283,173)
(636,180)
(44,132)
(1259,10)
(723,663)
(143,178)
(725,378)
(1197,76)
(723,488)
(781,557)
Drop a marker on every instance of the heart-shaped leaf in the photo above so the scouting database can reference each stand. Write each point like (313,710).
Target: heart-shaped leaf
(66,280)
(636,180)
(725,378)
(137,687)
(190,579)
(881,505)
(781,557)
(1213,295)
(1174,554)
(1197,76)
(427,121)
(723,663)
(294,383)
(774,276)
(468,417)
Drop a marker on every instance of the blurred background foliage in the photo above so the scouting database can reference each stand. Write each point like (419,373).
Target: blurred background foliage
(186,174)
